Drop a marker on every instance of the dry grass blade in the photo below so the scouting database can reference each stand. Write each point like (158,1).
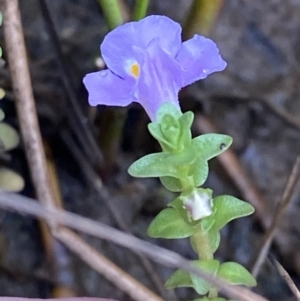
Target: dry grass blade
(282,205)
(287,278)
(25,205)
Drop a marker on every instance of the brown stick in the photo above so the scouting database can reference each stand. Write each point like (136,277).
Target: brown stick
(95,180)
(23,204)
(287,278)
(281,207)
(18,65)
(26,109)
(104,266)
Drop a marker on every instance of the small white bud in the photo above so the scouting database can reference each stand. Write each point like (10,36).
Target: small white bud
(198,203)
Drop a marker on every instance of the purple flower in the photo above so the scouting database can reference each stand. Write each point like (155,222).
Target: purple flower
(148,63)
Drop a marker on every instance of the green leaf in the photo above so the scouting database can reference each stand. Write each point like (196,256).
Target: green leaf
(214,299)
(214,238)
(209,266)
(208,146)
(171,183)
(10,181)
(229,208)
(178,205)
(208,222)
(180,278)
(199,171)
(185,122)
(167,108)
(163,164)
(2,115)
(169,224)
(155,131)
(9,137)
(235,273)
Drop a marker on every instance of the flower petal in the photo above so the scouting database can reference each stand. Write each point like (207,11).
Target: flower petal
(198,58)
(106,88)
(160,79)
(164,30)
(118,46)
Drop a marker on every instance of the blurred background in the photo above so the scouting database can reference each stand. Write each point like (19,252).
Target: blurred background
(255,100)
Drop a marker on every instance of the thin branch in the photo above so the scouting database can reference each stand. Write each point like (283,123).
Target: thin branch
(18,65)
(24,205)
(104,266)
(78,121)
(97,261)
(287,278)
(283,114)
(32,138)
(95,180)
(280,210)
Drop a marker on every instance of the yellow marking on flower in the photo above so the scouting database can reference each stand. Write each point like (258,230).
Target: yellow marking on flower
(135,70)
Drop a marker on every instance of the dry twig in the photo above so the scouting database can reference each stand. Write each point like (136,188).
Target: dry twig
(281,207)
(101,191)
(18,65)
(14,202)
(287,278)
(32,138)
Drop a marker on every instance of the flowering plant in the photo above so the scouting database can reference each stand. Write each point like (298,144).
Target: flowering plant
(148,63)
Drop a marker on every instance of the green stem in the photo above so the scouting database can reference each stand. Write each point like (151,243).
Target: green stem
(201,17)
(213,293)
(112,12)
(140,9)
(113,119)
(202,244)
(203,247)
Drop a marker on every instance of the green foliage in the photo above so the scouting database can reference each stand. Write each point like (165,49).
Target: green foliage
(182,166)
(183,161)
(169,224)
(214,299)
(229,208)
(235,273)
(171,183)
(180,278)
(2,115)
(10,181)
(9,138)
(163,164)
(201,286)
(211,145)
